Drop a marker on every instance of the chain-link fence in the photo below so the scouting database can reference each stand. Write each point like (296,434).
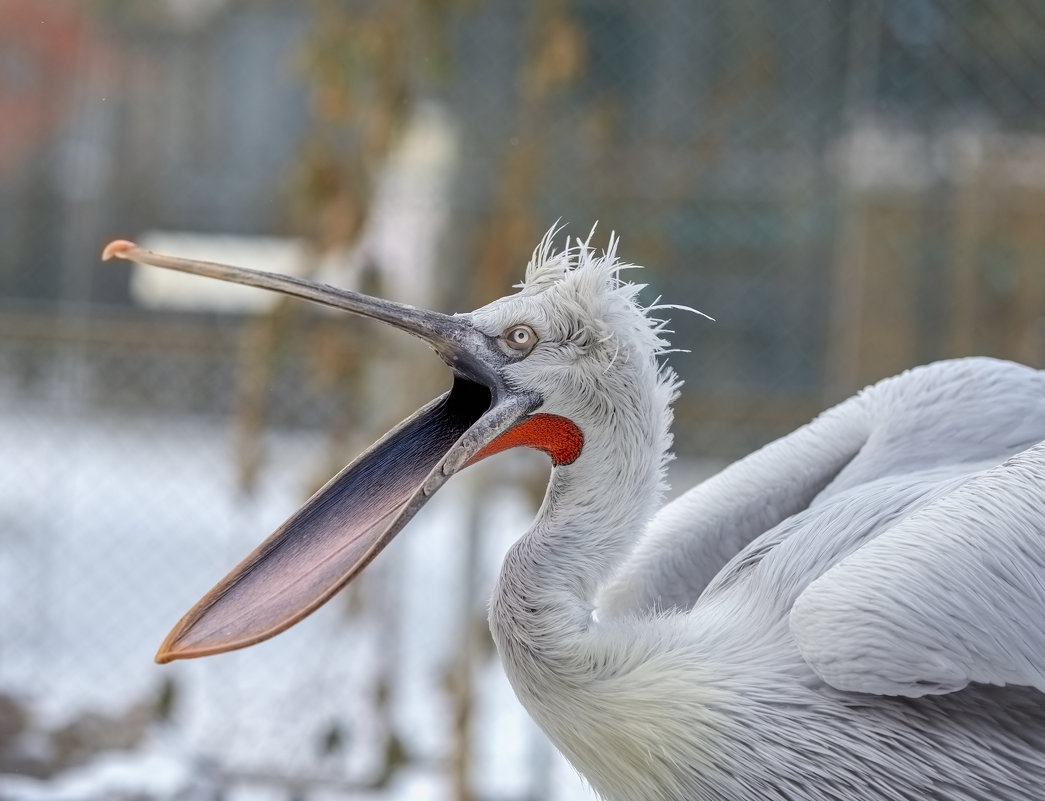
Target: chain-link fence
(849,188)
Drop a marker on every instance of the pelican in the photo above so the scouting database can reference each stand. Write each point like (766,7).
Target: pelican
(853,612)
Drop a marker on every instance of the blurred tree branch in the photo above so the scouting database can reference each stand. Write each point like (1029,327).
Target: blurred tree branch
(357,65)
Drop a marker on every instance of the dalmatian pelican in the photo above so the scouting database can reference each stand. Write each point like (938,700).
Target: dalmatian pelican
(853,612)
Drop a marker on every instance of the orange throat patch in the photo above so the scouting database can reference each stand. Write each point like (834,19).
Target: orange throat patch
(556,436)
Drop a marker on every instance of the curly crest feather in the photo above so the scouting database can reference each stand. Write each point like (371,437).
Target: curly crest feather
(591,283)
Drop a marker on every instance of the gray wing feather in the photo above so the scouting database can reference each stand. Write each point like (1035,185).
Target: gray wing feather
(692,537)
(953,594)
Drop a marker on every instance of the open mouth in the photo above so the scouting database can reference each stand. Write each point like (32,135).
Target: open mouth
(334,535)
(340,529)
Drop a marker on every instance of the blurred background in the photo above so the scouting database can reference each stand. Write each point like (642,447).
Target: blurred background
(849,187)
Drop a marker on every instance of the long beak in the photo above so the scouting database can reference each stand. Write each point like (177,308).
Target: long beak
(336,533)
(455,340)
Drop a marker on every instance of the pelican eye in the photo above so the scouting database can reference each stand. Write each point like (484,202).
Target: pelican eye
(520,338)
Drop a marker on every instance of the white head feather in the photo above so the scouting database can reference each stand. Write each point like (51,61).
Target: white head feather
(598,357)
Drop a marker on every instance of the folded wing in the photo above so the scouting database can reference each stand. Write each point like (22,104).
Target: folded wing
(952,594)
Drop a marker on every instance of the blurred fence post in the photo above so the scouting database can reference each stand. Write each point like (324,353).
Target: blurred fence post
(847,293)
(966,232)
(462,672)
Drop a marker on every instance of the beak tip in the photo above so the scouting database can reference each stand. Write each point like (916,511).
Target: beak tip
(118,249)
(168,651)
(164,656)
(172,648)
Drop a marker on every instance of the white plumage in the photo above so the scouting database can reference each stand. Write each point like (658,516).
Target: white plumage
(855,612)
(714,650)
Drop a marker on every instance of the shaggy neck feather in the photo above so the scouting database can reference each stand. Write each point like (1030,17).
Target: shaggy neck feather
(593,512)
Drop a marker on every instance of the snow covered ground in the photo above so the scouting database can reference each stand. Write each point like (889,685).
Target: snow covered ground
(111,527)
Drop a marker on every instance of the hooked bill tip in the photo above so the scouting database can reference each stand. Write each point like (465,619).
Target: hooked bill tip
(117,249)
(164,656)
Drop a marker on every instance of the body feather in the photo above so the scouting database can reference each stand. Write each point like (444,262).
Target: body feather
(853,612)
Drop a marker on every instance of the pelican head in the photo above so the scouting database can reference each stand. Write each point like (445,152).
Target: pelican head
(549,367)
